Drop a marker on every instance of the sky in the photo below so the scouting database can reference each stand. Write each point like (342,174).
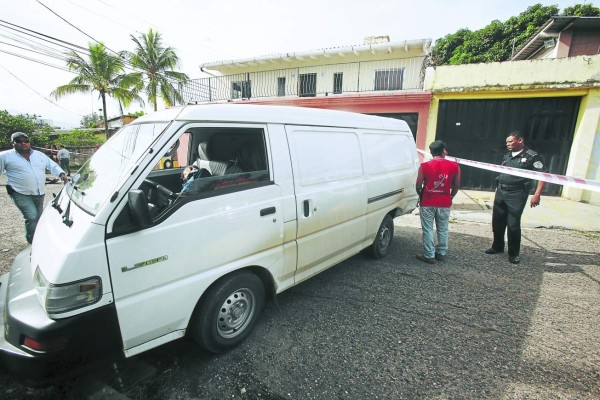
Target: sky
(202,32)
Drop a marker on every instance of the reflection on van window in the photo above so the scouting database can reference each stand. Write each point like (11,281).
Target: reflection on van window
(211,161)
(107,170)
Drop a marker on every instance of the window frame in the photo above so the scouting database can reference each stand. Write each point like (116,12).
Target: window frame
(281,86)
(243,88)
(311,82)
(389,79)
(338,82)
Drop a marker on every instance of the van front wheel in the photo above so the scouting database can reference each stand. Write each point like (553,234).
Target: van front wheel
(383,240)
(229,312)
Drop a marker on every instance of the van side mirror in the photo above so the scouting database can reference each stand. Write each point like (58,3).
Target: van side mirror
(138,206)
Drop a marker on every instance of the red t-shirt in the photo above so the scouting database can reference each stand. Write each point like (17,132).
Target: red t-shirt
(438,175)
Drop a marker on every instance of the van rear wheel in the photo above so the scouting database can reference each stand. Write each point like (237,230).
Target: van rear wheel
(383,240)
(229,312)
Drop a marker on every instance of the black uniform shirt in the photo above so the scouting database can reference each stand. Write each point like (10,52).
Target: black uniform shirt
(526,159)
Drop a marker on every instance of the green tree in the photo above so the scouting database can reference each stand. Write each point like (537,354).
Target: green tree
(494,42)
(77,138)
(102,72)
(582,10)
(156,63)
(90,120)
(38,131)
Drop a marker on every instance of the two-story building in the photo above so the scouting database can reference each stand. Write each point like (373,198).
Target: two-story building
(550,93)
(379,77)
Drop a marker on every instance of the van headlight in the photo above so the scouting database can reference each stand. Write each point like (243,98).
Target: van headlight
(68,296)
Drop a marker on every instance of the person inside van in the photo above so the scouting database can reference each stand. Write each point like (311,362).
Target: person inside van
(190,174)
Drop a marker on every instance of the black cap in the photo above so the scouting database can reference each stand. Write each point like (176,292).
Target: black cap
(437,147)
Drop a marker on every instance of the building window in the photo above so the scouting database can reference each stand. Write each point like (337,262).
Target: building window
(307,85)
(281,86)
(389,79)
(337,82)
(241,90)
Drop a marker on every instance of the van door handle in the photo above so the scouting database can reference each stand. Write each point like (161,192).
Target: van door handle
(267,211)
(306,207)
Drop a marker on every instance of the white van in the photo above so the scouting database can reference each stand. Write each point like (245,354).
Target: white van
(125,259)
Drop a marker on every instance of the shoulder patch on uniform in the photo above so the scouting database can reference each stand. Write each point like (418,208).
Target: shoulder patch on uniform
(531,152)
(538,165)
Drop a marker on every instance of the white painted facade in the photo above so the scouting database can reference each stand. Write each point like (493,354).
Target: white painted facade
(365,68)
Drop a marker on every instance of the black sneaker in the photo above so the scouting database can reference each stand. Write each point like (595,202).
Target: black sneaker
(439,257)
(514,260)
(425,259)
(492,250)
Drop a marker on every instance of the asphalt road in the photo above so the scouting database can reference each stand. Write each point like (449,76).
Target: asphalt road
(473,327)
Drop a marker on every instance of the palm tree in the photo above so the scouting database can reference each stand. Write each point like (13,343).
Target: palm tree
(102,72)
(156,63)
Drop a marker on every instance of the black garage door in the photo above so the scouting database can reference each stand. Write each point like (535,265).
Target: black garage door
(477,130)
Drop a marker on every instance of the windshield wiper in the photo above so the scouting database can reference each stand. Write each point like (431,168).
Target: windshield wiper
(67,217)
(57,199)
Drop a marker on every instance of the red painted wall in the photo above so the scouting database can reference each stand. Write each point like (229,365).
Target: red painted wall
(412,102)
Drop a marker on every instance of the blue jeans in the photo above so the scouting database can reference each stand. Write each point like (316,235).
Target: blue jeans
(64,164)
(441,216)
(31,206)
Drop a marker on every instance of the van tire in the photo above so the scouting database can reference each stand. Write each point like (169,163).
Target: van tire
(228,312)
(383,240)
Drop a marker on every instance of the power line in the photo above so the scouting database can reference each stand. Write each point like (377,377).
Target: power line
(33,51)
(36,60)
(49,9)
(187,38)
(126,63)
(31,43)
(20,29)
(33,90)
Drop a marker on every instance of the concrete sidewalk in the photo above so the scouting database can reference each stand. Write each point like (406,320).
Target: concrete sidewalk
(553,212)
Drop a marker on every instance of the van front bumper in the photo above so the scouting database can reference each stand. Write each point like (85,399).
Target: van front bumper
(67,344)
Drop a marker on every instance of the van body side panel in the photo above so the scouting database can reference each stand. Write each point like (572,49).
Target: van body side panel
(390,164)
(331,196)
(159,273)
(283,176)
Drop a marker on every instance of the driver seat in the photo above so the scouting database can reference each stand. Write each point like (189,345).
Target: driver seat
(216,168)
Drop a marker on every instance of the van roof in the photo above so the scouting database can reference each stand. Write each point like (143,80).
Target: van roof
(272,114)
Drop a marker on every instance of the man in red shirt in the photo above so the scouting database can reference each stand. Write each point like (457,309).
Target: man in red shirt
(438,182)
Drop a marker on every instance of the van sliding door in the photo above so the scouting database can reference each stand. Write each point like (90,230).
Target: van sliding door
(331,196)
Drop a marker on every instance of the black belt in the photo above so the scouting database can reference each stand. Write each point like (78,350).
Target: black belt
(503,186)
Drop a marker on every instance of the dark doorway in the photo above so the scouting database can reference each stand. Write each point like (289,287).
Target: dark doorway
(477,129)
(411,119)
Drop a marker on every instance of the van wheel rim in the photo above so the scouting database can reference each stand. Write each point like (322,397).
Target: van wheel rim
(236,313)
(384,237)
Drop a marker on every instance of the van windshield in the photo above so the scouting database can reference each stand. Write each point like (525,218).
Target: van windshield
(109,167)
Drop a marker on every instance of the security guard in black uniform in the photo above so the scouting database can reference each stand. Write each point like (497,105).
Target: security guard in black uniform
(511,196)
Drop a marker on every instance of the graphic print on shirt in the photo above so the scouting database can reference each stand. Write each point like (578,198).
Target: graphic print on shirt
(438,185)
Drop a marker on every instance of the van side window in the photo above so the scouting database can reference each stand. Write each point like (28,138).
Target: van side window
(203,162)
(227,159)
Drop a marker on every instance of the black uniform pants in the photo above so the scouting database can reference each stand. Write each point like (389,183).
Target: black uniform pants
(508,208)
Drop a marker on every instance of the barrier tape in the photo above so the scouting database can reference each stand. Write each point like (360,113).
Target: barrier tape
(43,150)
(580,183)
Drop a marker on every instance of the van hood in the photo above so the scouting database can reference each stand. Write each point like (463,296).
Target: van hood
(66,254)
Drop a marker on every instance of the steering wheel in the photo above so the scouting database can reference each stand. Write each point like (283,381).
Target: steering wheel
(160,188)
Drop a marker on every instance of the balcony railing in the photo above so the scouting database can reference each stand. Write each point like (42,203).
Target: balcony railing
(310,81)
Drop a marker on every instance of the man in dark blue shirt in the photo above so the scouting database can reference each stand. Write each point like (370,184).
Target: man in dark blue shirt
(511,196)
